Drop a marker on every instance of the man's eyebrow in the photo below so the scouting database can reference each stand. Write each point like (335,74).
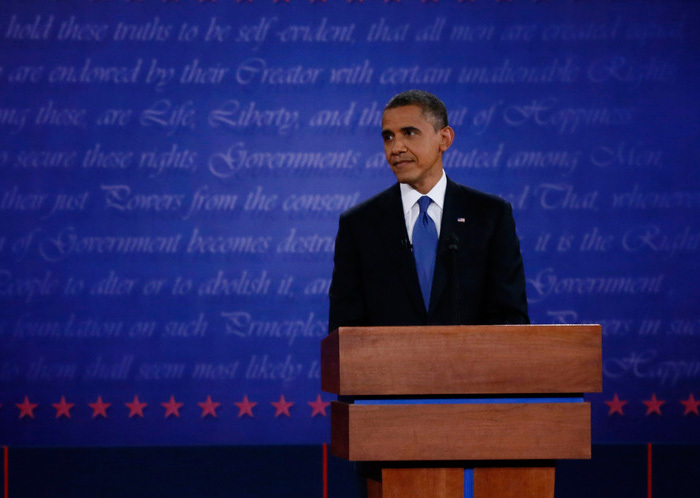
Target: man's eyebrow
(404,130)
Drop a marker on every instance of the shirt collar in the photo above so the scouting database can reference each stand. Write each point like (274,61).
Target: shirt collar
(409,195)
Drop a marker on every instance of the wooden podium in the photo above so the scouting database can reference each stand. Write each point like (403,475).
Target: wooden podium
(500,401)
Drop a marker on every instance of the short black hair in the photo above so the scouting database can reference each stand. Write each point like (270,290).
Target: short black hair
(433,108)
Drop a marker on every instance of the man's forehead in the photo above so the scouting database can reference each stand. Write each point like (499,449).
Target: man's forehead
(405,116)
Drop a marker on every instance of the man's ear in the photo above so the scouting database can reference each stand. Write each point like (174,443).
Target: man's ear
(447,136)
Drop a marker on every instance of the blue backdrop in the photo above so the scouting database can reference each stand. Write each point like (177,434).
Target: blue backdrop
(172,174)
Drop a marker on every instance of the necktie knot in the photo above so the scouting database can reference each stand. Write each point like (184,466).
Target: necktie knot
(423,204)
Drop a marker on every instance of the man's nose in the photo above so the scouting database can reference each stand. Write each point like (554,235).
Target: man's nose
(398,146)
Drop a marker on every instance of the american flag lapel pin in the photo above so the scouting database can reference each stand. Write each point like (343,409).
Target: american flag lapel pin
(461,220)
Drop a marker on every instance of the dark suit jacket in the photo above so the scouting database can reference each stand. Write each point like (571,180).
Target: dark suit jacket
(478,278)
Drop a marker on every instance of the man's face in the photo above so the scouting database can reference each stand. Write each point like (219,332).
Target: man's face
(413,148)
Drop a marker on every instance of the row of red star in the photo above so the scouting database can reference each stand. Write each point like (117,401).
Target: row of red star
(653,405)
(172,407)
(282,406)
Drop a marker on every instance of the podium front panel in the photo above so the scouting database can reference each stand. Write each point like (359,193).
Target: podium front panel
(444,360)
(492,431)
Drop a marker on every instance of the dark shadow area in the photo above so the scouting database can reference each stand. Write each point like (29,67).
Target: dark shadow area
(297,471)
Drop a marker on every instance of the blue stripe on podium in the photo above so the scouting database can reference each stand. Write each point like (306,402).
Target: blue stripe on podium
(468,483)
(453,401)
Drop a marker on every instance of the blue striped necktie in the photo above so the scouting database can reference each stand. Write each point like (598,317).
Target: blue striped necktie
(424,248)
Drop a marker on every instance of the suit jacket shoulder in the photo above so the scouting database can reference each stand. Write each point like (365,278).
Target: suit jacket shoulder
(478,202)
(386,199)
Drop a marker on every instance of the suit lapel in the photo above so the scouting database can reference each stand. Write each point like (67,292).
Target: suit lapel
(396,239)
(454,228)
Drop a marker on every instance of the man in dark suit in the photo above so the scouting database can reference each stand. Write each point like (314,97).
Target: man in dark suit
(403,259)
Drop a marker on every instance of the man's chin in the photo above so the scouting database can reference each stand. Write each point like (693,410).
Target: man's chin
(402,177)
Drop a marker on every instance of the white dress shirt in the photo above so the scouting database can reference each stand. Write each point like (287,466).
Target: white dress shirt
(411,209)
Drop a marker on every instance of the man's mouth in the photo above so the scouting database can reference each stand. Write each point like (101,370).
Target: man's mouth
(401,162)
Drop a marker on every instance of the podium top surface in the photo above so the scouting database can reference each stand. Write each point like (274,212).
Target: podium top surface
(462,360)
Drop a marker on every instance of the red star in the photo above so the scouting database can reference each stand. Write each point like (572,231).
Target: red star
(99,407)
(282,406)
(245,407)
(172,407)
(691,405)
(654,405)
(209,407)
(63,408)
(319,406)
(136,407)
(26,409)
(616,405)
